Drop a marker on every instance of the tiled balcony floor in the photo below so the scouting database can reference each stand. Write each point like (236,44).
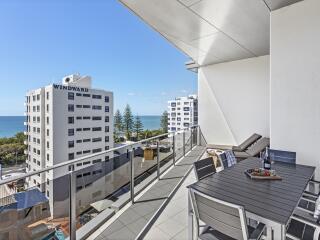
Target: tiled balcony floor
(132,222)
(173,221)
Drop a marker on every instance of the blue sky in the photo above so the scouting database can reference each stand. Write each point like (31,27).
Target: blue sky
(41,41)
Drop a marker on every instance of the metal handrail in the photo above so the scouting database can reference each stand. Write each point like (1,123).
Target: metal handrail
(71,162)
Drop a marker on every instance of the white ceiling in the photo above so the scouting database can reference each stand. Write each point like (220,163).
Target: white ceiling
(211,31)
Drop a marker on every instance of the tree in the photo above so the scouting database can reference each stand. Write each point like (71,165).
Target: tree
(118,127)
(127,121)
(164,122)
(137,127)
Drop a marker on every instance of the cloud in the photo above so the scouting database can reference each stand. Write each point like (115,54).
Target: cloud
(131,94)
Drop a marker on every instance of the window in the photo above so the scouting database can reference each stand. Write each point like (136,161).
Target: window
(38,108)
(106,138)
(106,158)
(48,144)
(106,129)
(47,193)
(47,95)
(38,130)
(96,139)
(96,118)
(47,120)
(86,95)
(106,98)
(106,108)
(178,119)
(38,97)
(186,113)
(106,119)
(173,109)
(86,151)
(78,94)
(96,150)
(70,95)
(95,129)
(70,132)
(38,152)
(79,141)
(87,174)
(86,118)
(86,163)
(38,163)
(79,118)
(70,108)
(186,103)
(34,108)
(70,144)
(38,140)
(86,129)
(106,148)
(78,106)
(47,157)
(173,104)
(79,153)
(96,161)
(96,107)
(96,96)
(87,140)
(79,129)
(71,156)
(47,107)
(186,109)
(86,106)
(71,120)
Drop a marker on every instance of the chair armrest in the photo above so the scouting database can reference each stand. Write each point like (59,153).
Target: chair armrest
(257,233)
(315,181)
(311,193)
(306,218)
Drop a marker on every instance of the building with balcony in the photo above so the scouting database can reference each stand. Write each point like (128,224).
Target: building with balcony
(182,113)
(66,121)
(257,64)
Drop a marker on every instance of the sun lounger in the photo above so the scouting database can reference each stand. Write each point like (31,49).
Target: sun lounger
(254,150)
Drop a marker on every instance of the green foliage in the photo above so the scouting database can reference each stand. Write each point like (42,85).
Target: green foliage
(151,133)
(137,127)
(12,150)
(118,127)
(164,122)
(128,122)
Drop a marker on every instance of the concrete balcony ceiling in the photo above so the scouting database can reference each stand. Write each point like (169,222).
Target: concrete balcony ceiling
(211,31)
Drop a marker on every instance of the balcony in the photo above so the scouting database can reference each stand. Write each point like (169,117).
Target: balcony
(101,190)
(25,123)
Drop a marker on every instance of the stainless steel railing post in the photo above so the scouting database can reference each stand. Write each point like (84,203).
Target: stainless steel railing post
(174,149)
(72,204)
(184,143)
(158,160)
(191,138)
(131,157)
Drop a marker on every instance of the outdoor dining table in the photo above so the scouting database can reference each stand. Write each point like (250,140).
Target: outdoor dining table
(271,202)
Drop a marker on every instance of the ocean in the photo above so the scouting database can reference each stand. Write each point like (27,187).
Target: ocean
(10,125)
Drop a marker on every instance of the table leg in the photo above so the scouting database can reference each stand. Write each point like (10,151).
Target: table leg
(275,231)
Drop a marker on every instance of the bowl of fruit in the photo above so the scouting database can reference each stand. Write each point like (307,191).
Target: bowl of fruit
(260,173)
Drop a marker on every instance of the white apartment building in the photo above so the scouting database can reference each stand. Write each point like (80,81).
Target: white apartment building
(182,113)
(65,122)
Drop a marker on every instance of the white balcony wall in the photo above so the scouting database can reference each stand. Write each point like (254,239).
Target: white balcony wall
(234,100)
(295,80)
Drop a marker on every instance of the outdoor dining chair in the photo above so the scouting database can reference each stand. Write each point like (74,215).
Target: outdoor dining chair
(223,220)
(303,224)
(204,168)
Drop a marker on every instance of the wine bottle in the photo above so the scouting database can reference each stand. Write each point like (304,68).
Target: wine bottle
(266,160)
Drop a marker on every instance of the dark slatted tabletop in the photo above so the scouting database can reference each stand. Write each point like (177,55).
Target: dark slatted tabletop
(270,199)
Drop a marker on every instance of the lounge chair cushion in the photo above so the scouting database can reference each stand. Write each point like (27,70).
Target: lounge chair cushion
(252,139)
(258,147)
(241,155)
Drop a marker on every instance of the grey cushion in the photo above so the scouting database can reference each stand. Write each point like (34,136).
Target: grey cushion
(258,147)
(241,154)
(242,147)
